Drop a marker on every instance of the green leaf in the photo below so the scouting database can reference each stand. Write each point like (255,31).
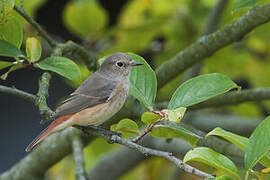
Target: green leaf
(127,127)
(176,115)
(258,145)
(143,82)
(4,64)
(33,49)
(9,50)
(199,89)
(149,117)
(13,68)
(243,3)
(239,141)
(211,158)
(11,30)
(174,130)
(61,65)
(93,21)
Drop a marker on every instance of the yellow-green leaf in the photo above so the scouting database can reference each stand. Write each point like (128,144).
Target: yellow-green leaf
(127,127)
(33,49)
(212,158)
(149,117)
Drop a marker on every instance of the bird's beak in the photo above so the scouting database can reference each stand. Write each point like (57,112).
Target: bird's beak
(134,63)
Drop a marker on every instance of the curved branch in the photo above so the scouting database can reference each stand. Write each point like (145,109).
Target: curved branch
(208,45)
(148,151)
(40,30)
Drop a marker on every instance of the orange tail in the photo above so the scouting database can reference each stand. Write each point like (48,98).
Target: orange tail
(49,130)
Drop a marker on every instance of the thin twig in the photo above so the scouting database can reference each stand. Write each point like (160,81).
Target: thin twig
(22,94)
(77,146)
(146,131)
(40,30)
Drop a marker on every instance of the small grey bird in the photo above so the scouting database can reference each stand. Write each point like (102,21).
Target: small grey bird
(98,98)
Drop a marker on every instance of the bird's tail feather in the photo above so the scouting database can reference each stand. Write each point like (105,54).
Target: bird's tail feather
(46,132)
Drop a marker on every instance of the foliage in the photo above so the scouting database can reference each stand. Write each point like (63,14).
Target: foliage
(160,28)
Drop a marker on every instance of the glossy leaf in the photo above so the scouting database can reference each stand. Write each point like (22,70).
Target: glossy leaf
(174,130)
(33,49)
(9,50)
(13,68)
(143,82)
(127,127)
(258,145)
(12,31)
(61,65)
(244,3)
(149,117)
(4,64)
(239,141)
(211,158)
(199,89)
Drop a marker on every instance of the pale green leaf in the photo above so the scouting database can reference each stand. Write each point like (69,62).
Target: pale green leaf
(127,127)
(239,141)
(13,68)
(212,158)
(33,49)
(149,117)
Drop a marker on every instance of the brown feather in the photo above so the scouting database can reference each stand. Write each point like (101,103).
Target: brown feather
(46,132)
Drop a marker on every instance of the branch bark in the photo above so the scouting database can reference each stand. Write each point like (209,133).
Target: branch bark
(77,147)
(208,45)
(148,151)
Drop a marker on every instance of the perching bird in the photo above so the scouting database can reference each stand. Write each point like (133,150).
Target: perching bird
(96,100)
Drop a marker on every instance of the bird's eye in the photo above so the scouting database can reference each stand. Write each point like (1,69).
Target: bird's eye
(119,64)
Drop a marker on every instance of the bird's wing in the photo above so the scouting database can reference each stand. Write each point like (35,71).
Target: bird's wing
(95,90)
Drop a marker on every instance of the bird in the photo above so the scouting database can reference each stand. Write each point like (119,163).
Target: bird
(96,100)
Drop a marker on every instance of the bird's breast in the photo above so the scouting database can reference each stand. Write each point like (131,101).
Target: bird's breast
(100,113)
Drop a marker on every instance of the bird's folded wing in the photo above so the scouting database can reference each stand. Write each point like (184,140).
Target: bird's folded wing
(95,90)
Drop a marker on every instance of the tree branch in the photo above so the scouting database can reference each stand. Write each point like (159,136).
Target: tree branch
(148,151)
(77,147)
(208,45)
(40,30)
(106,165)
(213,20)
(42,94)
(235,97)
(21,94)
